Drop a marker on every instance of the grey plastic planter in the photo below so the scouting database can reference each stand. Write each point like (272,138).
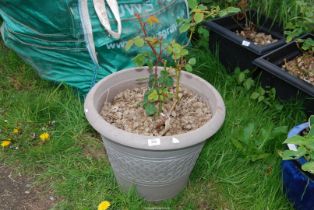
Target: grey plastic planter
(159,167)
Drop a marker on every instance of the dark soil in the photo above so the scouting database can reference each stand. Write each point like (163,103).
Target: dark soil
(18,193)
(301,67)
(258,38)
(125,112)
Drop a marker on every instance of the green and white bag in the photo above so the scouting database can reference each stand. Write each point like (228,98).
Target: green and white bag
(78,42)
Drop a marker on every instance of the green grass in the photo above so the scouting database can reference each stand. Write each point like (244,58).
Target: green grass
(73,163)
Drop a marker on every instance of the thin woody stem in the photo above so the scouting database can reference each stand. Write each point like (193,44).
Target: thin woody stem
(158,56)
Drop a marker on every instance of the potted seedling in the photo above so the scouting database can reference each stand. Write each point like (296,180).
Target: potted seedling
(239,39)
(290,69)
(298,166)
(155,119)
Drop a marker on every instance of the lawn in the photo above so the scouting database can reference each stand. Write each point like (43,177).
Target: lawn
(72,162)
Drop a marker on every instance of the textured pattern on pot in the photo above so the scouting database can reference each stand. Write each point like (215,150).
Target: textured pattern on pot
(158,167)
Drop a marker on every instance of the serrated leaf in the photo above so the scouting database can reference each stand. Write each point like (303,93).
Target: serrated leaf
(202,7)
(152,20)
(228,10)
(192,61)
(184,52)
(198,17)
(153,96)
(139,41)
(129,44)
(184,27)
(150,109)
(192,3)
(165,79)
(152,40)
(203,31)
(188,67)
(139,60)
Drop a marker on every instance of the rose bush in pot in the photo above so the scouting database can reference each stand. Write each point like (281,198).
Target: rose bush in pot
(159,159)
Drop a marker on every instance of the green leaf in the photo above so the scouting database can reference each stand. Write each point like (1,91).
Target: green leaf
(248,84)
(309,144)
(139,60)
(203,32)
(297,140)
(153,96)
(229,10)
(129,44)
(192,3)
(192,61)
(241,77)
(308,44)
(150,109)
(254,95)
(202,7)
(261,91)
(248,132)
(165,79)
(198,17)
(184,27)
(176,48)
(309,166)
(184,52)
(139,41)
(261,98)
(290,154)
(188,67)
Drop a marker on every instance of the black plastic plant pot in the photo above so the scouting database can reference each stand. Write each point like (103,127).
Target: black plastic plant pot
(235,51)
(287,86)
(297,184)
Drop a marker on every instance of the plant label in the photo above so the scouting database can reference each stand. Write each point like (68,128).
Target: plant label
(153,142)
(246,43)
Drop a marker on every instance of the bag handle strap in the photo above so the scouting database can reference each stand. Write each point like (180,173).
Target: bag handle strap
(100,8)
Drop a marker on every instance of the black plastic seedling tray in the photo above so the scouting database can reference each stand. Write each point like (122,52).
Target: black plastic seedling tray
(233,50)
(287,86)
